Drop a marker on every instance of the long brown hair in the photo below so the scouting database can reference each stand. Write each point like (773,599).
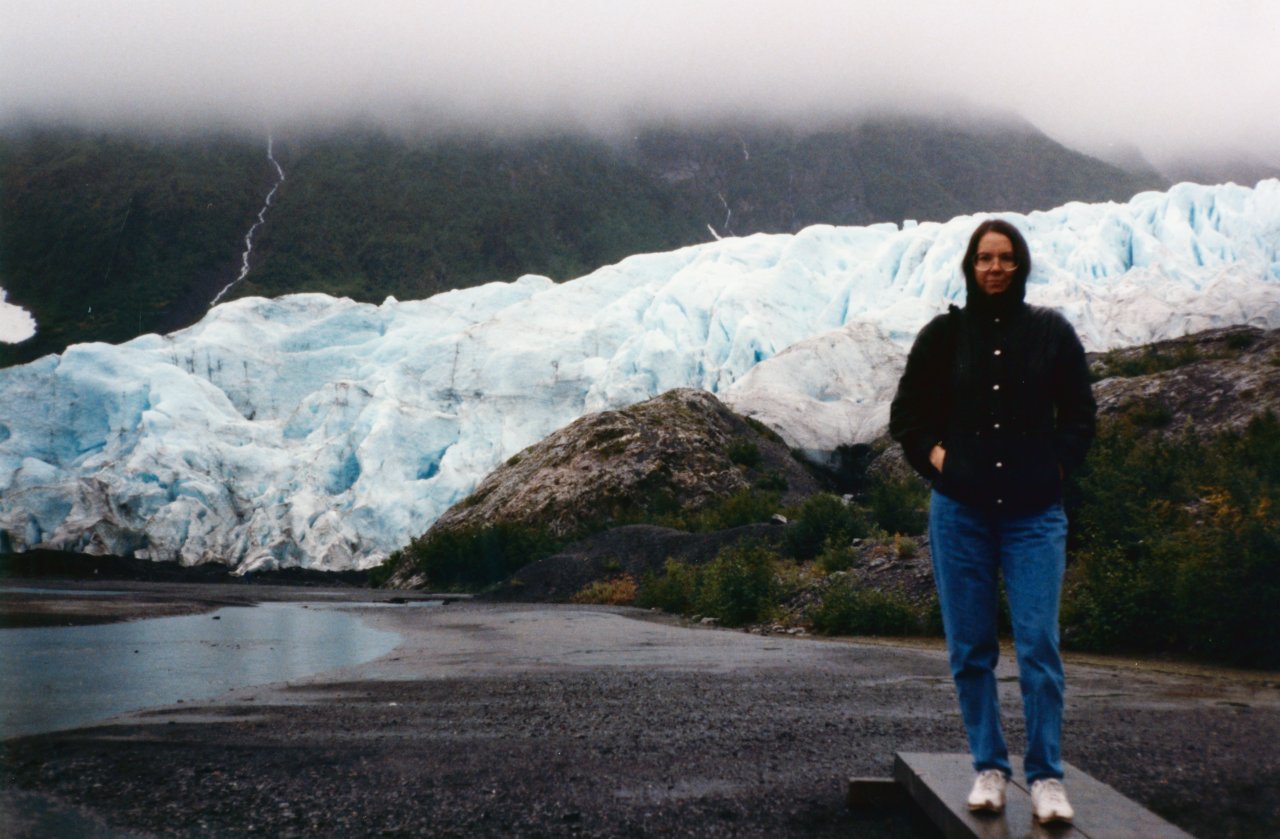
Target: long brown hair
(1021,252)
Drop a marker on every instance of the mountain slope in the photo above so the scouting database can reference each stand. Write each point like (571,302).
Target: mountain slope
(106,237)
(103,238)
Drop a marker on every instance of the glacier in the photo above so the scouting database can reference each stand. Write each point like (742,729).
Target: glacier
(320,432)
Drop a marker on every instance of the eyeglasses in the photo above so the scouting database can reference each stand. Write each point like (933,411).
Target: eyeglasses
(985,261)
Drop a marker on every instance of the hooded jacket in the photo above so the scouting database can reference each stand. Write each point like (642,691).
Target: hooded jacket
(1004,388)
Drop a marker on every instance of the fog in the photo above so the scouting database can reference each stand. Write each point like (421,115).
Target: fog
(1173,77)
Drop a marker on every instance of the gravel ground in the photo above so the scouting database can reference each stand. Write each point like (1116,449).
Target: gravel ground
(534,720)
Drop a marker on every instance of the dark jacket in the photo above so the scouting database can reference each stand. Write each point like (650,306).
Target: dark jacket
(1004,388)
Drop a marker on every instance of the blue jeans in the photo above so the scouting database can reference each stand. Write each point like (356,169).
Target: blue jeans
(971,548)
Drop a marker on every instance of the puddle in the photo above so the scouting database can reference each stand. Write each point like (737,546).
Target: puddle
(62,677)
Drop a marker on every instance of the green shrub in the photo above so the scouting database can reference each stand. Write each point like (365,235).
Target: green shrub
(674,590)
(847,609)
(379,574)
(1178,545)
(771,482)
(836,556)
(899,505)
(473,558)
(744,453)
(746,506)
(739,586)
(1115,599)
(1241,340)
(1151,360)
(931,617)
(1228,582)
(823,517)
(1150,413)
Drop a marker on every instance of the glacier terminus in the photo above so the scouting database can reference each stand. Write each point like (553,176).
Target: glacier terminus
(320,432)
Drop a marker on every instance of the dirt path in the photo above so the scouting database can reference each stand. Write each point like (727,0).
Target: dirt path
(497,720)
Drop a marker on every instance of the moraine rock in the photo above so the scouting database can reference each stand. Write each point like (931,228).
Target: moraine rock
(1214,381)
(681,450)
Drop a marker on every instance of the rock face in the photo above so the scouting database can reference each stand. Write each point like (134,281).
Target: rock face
(1212,381)
(680,450)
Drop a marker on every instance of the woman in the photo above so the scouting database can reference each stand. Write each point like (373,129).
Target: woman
(994,409)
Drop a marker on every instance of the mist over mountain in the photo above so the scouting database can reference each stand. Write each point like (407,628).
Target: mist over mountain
(107,236)
(1239,166)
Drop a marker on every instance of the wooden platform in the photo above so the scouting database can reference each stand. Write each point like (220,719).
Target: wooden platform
(939,784)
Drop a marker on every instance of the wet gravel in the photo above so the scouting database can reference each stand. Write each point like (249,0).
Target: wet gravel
(502,720)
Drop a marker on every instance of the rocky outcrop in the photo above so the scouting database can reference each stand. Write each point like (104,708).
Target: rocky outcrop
(678,451)
(1212,382)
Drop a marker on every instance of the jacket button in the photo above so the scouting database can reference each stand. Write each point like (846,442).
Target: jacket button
(997,352)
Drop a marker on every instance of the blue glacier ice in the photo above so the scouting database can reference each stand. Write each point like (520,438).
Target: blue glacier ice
(320,432)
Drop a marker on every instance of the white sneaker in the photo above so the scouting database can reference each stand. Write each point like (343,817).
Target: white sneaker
(987,794)
(1049,801)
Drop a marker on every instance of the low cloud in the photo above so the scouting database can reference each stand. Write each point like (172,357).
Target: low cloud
(1172,77)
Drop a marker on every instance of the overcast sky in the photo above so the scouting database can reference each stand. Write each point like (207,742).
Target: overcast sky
(1170,76)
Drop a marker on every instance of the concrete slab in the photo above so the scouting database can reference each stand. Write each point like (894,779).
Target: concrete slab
(940,783)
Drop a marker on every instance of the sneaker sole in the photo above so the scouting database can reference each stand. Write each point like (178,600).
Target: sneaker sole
(985,808)
(1055,818)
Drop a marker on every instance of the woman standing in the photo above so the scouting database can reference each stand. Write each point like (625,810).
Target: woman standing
(994,409)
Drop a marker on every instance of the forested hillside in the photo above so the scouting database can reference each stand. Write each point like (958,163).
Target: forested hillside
(107,236)
(103,238)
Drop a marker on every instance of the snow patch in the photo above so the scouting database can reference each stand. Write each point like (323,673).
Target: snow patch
(16,323)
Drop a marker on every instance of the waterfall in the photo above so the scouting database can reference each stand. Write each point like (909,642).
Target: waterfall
(262,216)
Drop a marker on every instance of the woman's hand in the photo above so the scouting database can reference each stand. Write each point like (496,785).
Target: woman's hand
(936,456)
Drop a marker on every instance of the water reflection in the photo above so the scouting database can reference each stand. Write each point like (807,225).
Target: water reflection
(67,676)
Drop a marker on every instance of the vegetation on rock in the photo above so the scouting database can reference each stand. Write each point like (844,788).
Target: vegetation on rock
(674,460)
